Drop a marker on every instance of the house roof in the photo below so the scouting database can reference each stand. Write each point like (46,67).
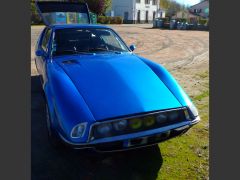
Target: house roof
(199,3)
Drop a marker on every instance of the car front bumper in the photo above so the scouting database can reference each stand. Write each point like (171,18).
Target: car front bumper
(134,140)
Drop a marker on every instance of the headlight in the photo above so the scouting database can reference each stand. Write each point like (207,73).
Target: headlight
(135,123)
(193,109)
(162,118)
(149,120)
(173,116)
(104,129)
(78,130)
(120,125)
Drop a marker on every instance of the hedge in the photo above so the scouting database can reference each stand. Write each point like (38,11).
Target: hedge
(166,19)
(110,20)
(203,21)
(184,20)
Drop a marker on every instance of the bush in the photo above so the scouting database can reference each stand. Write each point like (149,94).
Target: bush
(100,19)
(203,21)
(182,20)
(166,19)
(109,20)
(119,20)
(103,19)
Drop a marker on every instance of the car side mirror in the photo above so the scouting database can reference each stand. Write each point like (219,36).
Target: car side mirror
(40,52)
(132,47)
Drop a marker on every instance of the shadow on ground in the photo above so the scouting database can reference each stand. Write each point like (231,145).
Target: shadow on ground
(51,164)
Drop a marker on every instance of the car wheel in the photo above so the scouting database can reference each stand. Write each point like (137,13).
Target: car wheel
(52,136)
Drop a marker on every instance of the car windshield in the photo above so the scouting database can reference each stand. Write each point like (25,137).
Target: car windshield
(86,40)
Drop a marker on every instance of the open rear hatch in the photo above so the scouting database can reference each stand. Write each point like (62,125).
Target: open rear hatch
(62,12)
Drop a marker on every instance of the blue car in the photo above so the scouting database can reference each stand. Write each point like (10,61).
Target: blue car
(99,94)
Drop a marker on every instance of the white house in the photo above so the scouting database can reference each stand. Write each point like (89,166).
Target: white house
(136,11)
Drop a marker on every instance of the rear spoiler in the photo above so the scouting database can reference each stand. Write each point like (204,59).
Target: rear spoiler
(58,12)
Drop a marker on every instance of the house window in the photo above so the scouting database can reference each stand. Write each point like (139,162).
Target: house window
(125,15)
(146,20)
(197,10)
(138,1)
(154,15)
(139,16)
(147,1)
(154,2)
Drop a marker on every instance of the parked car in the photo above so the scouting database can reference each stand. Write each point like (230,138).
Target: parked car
(166,25)
(99,94)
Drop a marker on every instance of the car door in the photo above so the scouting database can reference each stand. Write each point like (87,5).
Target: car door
(44,47)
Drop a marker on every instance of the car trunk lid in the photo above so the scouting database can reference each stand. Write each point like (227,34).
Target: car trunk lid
(61,12)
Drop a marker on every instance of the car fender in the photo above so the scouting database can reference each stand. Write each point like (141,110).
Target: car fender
(67,106)
(169,81)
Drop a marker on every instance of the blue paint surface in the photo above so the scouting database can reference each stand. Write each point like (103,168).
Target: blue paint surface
(99,87)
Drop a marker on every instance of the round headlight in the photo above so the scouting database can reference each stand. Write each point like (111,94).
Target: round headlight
(173,116)
(149,121)
(104,129)
(161,118)
(135,123)
(78,130)
(120,125)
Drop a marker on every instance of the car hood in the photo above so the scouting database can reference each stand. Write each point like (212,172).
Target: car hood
(116,85)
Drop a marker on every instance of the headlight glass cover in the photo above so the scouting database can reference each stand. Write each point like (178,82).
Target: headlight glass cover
(138,123)
(120,125)
(104,129)
(78,130)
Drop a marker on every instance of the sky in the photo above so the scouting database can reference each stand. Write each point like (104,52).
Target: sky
(188,2)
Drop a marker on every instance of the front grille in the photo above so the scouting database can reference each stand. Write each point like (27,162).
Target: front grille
(137,142)
(137,123)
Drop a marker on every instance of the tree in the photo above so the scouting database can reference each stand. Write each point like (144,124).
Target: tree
(35,18)
(98,6)
(107,5)
(164,4)
(171,7)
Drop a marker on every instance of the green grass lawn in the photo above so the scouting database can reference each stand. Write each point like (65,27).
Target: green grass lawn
(186,157)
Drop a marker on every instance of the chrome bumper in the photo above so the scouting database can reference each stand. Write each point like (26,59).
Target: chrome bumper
(119,143)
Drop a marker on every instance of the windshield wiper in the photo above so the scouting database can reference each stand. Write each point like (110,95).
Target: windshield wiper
(74,52)
(105,50)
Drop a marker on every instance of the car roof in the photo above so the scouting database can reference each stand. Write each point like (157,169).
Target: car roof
(66,26)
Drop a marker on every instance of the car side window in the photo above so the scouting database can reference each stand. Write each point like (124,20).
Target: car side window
(45,40)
